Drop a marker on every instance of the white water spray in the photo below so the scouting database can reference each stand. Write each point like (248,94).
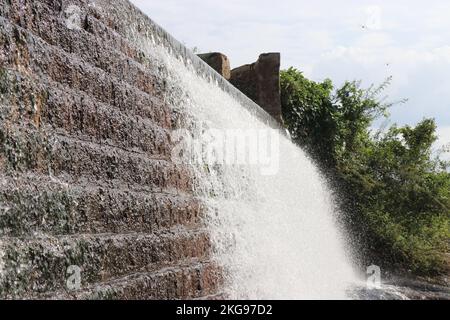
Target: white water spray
(274,235)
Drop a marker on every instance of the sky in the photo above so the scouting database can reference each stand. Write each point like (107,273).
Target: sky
(341,40)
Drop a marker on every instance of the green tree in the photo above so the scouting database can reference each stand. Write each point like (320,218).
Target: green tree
(308,113)
(395,194)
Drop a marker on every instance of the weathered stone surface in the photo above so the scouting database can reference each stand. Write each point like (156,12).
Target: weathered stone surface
(218,62)
(260,81)
(86,175)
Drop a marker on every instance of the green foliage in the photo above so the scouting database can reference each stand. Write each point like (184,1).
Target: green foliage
(395,193)
(308,111)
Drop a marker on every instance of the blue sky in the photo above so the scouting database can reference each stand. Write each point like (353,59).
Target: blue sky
(340,40)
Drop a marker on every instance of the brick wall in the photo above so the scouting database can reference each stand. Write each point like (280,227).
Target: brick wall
(86,177)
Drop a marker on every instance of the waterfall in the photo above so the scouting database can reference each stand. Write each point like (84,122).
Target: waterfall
(272,218)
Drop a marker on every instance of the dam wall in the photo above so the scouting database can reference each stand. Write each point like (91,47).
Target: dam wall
(91,204)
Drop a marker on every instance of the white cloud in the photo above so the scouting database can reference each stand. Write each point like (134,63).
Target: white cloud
(444,142)
(355,39)
(374,18)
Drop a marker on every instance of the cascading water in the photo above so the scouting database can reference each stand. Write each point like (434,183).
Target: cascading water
(272,222)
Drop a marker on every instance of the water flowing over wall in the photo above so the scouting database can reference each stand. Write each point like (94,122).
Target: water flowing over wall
(85,172)
(94,203)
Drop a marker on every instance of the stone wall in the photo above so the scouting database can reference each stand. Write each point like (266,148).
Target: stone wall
(219,62)
(259,81)
(86,177)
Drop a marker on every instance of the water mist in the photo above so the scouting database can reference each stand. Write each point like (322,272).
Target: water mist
(274,233)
